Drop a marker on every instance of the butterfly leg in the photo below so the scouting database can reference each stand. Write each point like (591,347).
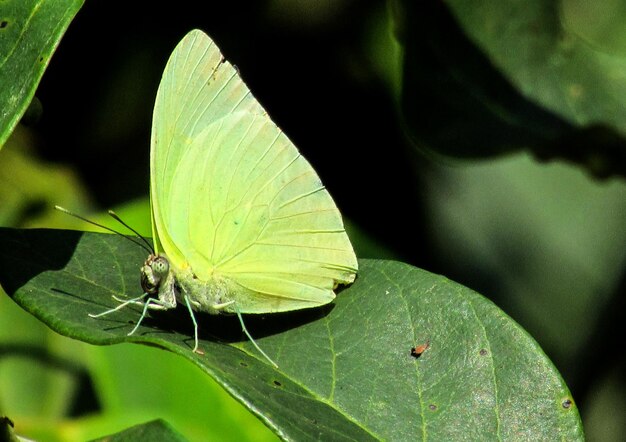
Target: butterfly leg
(131,301)
(122,305)
(152,304)
(165,301)
(245,330)
(195,324)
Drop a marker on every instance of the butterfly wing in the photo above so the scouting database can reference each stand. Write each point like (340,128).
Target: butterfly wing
(198,87)
(239,201)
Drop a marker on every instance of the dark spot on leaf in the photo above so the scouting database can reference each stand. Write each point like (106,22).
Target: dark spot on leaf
(417,351)
(432,407)
(483,352)
(40,59)
(3,24)
(243,364)
(236,223)
(278,384)
(567,403)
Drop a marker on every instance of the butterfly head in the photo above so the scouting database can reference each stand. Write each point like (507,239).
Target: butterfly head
(153,272)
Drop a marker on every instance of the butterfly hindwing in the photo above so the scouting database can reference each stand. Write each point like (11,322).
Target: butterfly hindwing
(254,210)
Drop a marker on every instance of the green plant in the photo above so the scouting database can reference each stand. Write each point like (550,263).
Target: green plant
(542,241)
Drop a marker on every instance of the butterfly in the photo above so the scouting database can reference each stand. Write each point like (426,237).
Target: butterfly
(241,221)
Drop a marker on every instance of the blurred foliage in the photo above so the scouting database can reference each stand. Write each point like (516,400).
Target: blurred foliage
(544,241)
(29,187)
(30,30)
(490,77)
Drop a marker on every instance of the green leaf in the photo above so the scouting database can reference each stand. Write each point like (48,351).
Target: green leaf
(154,430)
(345,372)
(6,430)
(30,31)
(489,77)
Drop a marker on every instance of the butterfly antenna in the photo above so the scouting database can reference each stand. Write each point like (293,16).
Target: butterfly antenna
(149,248)
(119,220)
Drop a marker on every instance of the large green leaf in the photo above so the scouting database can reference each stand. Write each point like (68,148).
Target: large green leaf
(346,372)
(488,77)
(30,31)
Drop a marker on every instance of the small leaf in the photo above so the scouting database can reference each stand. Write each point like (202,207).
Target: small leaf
(30,31)
(154,430)
(6,430)
(345,371)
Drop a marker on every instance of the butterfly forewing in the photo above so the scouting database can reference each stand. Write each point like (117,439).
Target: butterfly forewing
(233,198)
(198,87)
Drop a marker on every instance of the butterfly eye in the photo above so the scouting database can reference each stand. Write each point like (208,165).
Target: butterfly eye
(153,272)
(160,266)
